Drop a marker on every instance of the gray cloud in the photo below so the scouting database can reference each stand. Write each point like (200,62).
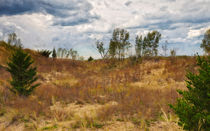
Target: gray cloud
(128,3)
(66,12)
(13,7)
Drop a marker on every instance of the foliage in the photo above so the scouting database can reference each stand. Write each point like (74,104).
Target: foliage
(45,53)
(73,54)
(13,40)
(59,50)
(150,43)
(81,58)
(101,49)
(54,55)
(194,106)
(23,76)
(64,53)
(119,43)
(90,58)
(139,46)
(206,42)
(173,52)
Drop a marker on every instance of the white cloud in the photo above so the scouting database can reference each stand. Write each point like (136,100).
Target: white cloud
(196,32)
(78,23)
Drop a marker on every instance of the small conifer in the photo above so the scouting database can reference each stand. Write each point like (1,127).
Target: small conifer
(23,75)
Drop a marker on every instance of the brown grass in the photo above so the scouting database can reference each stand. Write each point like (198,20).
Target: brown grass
(127,92)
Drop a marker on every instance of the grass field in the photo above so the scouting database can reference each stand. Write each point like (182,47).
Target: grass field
(108,95)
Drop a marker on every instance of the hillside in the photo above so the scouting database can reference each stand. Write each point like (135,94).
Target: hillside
(97,95)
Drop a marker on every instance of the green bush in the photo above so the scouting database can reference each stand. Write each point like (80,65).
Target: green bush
(45,53)
(194,105)
(90,58)
(23,76)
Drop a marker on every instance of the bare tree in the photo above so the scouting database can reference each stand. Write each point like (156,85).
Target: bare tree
(165,48)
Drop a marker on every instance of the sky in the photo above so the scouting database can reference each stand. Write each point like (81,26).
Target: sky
(77,24)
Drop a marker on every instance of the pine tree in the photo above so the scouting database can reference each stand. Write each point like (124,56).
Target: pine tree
(45,53)
(90,58)
(23,75)
(193,109)
(54,55)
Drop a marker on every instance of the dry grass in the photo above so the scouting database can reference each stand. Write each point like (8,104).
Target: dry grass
(102,95)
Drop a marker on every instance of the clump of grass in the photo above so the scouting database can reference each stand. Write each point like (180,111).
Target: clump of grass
(59,113)
(50,127)
(88,122)
(177,68)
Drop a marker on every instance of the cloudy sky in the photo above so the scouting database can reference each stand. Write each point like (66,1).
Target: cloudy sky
(44,24)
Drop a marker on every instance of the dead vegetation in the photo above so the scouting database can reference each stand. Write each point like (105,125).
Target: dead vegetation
(101,94)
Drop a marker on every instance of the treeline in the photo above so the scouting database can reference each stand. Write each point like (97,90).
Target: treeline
(14,41)
(62,53)
(119,46)
(147,45)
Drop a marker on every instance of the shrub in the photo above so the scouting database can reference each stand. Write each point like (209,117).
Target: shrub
(193,108)
(23,76)
(90,58)
(135,60)
(45,53)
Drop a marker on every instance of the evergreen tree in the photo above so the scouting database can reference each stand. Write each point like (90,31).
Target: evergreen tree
(193,109)
(54,55)
(90,58)
(23,75)
(45,53)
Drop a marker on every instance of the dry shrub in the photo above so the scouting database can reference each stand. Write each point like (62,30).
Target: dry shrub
(88,122)
(142,101)
(177,67)
(107,112)
(46,92)
(58,112)
(65,94)
(5,94)
(28,105)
